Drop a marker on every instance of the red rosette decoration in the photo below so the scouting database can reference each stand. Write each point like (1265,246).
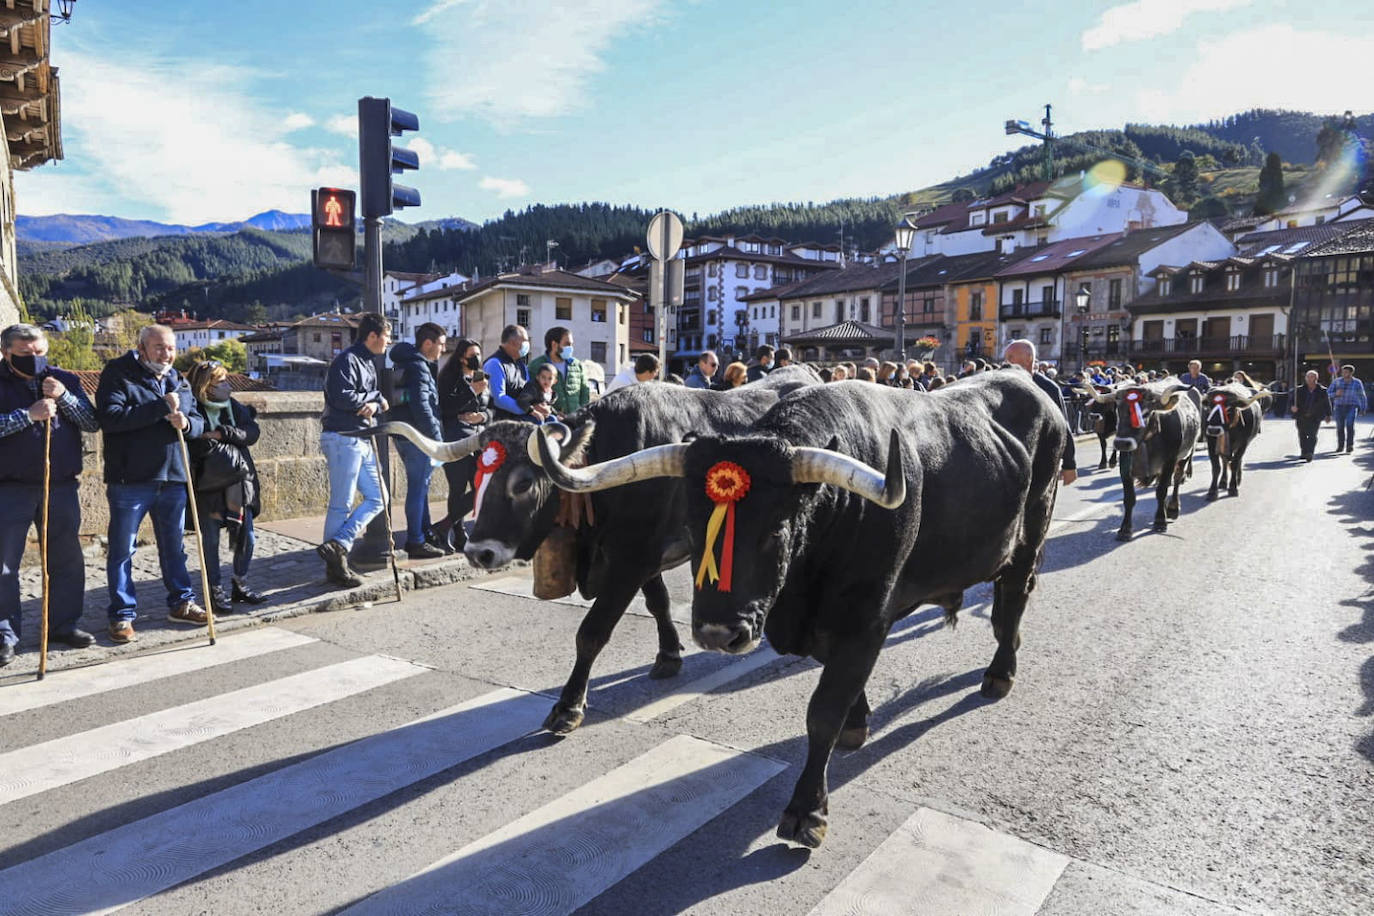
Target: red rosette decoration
(726,484)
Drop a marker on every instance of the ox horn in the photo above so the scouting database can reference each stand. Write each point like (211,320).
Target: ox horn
(645,464)
(821,465)
(1092,393)
(559,434)
(1169,398)
(1262,393)
(443,451)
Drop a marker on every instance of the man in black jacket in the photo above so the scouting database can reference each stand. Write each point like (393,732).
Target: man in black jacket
(1021,353)
(417,396)
(352,400)
(33,394)
(1311,406)
(141,403)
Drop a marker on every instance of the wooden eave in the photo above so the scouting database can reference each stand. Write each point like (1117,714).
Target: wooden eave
(30,93)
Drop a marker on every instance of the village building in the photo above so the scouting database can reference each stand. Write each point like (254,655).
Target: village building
(395,284)
(201,334)
(1333,305)
(433,301)
(1030,298)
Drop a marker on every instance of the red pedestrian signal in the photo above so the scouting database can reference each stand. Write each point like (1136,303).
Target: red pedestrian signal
(333,232)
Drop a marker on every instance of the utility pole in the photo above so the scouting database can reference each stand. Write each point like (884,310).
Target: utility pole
(1048,144)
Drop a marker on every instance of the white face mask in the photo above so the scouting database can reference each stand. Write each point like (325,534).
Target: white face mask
(158,369)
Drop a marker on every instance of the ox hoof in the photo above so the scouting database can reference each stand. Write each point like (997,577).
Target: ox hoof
(1211,495)
(562,720)
(665,666)
(851,739)
(1123,534)
(1102,466)
(1233,492)
(803,829)
(994,687)
(1160,525)
(1171,513)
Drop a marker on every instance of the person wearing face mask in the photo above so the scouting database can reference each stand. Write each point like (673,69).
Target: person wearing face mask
(34,396)
(509,373)
(570,388)
(417,397)
(763,363)
(227,491)
(141,403)
(465,409)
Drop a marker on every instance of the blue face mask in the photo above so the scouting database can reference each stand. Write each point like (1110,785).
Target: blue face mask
(566,353)
(524,348)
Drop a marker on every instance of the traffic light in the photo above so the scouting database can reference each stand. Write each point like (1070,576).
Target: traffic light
(378,160)
(332,227)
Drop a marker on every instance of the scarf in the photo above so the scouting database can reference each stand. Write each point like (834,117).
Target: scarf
(214,410)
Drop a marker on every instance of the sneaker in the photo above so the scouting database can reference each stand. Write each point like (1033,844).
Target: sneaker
(75,638)
(440,540)
(336,568)
(423,550)
(122,631)
(245,594)
(188,612)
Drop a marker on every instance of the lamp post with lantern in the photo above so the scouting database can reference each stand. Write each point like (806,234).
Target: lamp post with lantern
(904,235)
(1082,300)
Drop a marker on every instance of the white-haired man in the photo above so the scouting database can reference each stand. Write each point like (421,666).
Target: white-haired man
(1021,353)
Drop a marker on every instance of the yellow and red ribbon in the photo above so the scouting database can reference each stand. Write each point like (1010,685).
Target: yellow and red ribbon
(726,484)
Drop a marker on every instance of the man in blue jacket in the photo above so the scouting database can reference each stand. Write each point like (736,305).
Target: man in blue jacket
(352,400)
(141,403)
(417,396)
(37,400)
(508,371)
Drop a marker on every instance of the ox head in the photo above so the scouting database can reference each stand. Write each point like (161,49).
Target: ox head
(1139,409)
(748,511)
(516,502)
(1224,405)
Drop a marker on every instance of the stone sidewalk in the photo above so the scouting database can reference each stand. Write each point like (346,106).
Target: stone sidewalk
(285,569)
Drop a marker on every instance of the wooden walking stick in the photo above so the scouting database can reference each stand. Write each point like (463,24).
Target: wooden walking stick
(386,515)
(200,542)
(43,547)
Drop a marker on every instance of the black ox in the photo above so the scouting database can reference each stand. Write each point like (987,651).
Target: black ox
(827,553)
(1231,418)
(628,537)
(1104,425)
(1157,430)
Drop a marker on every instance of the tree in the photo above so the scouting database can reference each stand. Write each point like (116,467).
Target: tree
(963,196)
(231,354)
(74,349)
(1209,208)
(1272,196)
(1330,143)
(1184,179)
(125,326)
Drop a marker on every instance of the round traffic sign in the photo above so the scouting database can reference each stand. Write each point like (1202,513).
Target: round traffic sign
(665,234)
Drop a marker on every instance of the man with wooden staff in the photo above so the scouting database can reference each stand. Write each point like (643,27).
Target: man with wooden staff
(38,401)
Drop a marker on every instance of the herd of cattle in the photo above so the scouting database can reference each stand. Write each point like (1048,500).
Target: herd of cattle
(773,492)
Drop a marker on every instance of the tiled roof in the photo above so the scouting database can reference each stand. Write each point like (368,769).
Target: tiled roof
(557,279)
(217,324)
(844,332)
(329,320)
(1358,241)
(90,381)
(1127,249)
(729,252)
(1280,240)
(1058,255)
(780,291)
(850,279)
(260,337)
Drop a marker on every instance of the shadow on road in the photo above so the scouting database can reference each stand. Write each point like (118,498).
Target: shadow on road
(1353,509)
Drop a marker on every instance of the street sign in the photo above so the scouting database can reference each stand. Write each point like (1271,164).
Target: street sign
(665,235)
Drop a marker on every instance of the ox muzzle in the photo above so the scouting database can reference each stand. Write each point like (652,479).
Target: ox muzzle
(1124,445)
(489,554)
(733,639)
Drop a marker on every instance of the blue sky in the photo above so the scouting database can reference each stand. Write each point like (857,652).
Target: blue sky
(191,112)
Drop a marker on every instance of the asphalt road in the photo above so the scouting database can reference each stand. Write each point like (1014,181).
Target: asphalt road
(1191,731)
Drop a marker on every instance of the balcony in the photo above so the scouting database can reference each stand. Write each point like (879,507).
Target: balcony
(1045,308)
(1236,345)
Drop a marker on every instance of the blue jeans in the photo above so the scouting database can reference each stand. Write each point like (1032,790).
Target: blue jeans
(165,502)
(243,553)
(351,466)
(1345,426)
(21,506)
(419,470)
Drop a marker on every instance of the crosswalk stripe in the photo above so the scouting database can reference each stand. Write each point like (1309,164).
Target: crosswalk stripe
(694,690)
(40,767)
(938,863)
(561,856)
(62,685)
(131,862)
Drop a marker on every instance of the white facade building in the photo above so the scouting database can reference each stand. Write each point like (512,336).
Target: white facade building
(395,285)
(435,300)
(207,333)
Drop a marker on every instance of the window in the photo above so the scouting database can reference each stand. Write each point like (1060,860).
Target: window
(712,293)
(741,292)
(672,336)
(1017,296)
(760,271)
(648,335)
(623,311)
(598,351)
(522,317)
(756,313)
(1114,294)
(928,305)
(815,310)
(315,337)
(975,305)
(621,349)
(711,269)
(772,311)
(599,310)
(1166,286)
(562,309)
(1232,280)
(710,317)
(1000,216)
(978,219)
(796,313)
(863,309)
(742,270)
(522,300)
(1196,283)
(1271,277)
(1046,294)
(1046,336)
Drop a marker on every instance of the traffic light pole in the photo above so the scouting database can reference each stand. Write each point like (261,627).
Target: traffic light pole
(370,551)
(372,264)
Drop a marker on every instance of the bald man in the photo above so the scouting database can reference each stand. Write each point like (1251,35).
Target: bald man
(1021,353)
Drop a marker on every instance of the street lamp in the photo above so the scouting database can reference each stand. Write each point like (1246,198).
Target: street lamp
(1081,300)
(905,232)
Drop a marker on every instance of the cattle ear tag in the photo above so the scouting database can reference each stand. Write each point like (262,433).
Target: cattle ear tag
(726,484)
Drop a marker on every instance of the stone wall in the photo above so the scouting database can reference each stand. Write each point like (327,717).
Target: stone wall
(295,481)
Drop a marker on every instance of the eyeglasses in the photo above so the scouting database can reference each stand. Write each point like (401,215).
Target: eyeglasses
(212,364)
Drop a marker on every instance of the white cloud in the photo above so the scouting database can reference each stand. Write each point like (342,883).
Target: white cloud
(344,125)
(1312,64)
(516,59)
(212,153)
(432,156)
(504,187)
(1144,19)
(297,120)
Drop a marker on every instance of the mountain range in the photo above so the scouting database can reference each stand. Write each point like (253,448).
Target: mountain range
(81,229)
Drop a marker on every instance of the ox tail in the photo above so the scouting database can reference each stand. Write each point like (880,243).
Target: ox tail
(951,604)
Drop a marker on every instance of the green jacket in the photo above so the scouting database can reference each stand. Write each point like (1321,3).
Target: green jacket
(570,389)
